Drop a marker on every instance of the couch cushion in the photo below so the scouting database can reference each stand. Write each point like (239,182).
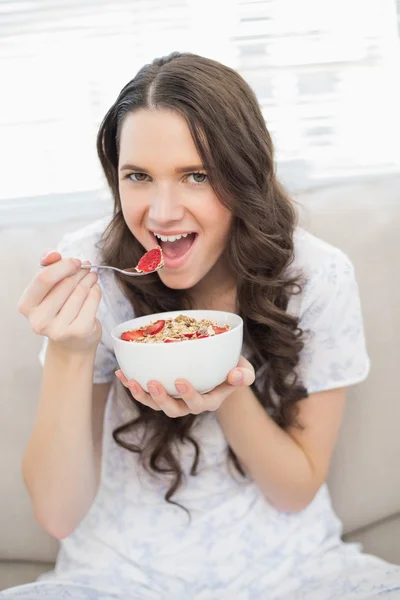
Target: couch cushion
(17,573)
(20,374)
(364,221)
(381,539)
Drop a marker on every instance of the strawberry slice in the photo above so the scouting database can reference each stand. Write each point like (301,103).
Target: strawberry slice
(132,336)
(199,336)
(219,330)
(170,340)
(188,335)
(154,328)
(151,261)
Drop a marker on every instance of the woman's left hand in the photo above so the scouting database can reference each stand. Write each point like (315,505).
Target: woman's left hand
(190,401)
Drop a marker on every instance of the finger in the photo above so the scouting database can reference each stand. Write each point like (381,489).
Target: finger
(243,362)
(141,396)
(49,257)
(173,407)
(44,314)
(76,301)
(85,323)
(135,390)
(210,401)
(119,374)
(241,376)
(45,281)
(159,397)
(195,401)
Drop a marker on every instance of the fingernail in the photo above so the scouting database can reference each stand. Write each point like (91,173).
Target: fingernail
(77,262)
(237,377)
(153,390)
(118,373)
(46,253)
(181,387)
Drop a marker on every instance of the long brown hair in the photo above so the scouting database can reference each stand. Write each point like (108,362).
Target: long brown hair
(231,138)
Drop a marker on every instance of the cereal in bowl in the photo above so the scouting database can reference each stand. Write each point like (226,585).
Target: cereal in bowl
(180,329)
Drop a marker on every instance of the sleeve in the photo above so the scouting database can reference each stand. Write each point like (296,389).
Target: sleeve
(334,353)
(105,362)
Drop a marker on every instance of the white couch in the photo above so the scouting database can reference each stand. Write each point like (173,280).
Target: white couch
(363,220)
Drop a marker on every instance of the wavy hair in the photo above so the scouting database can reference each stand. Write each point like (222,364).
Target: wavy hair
(230,135)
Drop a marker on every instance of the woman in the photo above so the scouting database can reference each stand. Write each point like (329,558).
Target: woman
(204,497)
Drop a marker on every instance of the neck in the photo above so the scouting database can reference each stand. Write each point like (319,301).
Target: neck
(216,291)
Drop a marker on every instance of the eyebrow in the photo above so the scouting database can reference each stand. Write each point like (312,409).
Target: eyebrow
(187,169)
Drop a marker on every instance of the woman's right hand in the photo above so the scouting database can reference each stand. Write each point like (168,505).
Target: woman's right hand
(61,303)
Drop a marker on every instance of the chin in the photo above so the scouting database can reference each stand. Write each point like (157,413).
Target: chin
(179,282)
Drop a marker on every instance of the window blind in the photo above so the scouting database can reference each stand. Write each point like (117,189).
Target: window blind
(326,74)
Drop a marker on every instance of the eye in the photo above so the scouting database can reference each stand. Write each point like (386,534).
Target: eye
(198,178)
(137,177)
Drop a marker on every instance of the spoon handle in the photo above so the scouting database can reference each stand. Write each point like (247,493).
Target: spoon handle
(129,273)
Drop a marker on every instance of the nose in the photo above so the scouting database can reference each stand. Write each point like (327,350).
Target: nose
(165,206)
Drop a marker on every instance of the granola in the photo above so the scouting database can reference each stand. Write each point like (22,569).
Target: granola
(182,328)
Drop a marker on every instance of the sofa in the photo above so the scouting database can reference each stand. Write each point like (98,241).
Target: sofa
(364,220)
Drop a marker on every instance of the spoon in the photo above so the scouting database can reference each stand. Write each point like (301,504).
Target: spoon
(131,272)
(150,262)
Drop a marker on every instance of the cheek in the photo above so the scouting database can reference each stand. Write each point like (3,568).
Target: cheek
(221,225)
(133,212)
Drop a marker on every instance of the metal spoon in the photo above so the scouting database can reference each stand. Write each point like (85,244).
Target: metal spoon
(131,272)
(134,271)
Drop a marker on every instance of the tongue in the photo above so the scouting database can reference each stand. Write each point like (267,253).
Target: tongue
(177,248)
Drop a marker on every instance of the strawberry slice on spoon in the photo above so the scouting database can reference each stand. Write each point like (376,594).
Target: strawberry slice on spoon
(151,261)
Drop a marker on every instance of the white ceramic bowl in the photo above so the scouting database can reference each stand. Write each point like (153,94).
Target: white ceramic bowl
(204,362)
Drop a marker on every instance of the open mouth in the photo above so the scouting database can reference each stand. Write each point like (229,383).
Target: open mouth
(175,247)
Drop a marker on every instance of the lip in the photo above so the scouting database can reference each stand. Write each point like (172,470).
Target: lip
(176,263)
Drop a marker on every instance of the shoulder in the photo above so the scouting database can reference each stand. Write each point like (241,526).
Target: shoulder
(330,316)
(312,255)
(325,271)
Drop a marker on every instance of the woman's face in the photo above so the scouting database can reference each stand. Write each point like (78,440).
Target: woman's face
(167,199)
